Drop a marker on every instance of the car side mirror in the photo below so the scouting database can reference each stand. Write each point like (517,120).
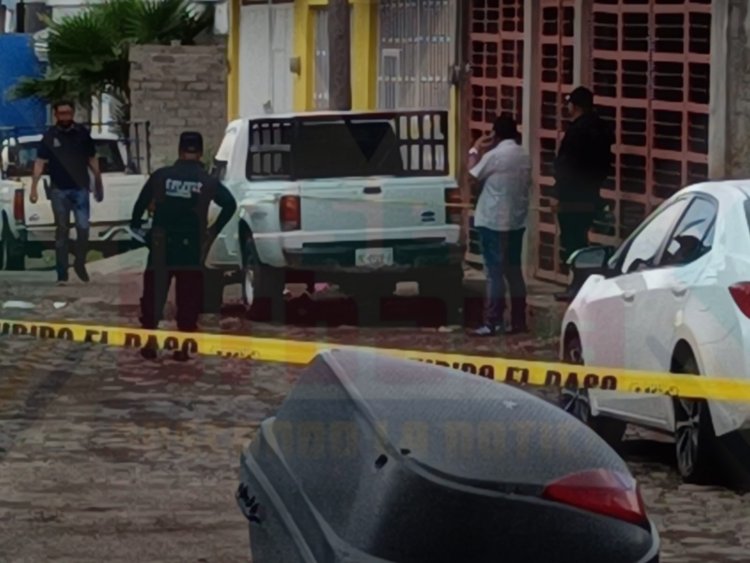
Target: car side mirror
(587,262)
(593,258)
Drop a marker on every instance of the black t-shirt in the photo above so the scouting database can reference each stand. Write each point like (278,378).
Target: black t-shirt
(181,195)
(67,152)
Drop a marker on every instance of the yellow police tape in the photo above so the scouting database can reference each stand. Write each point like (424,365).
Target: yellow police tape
(518,372)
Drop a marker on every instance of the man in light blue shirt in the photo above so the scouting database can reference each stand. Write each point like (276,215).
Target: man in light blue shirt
(503,168)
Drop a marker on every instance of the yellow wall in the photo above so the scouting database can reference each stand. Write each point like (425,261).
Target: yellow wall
(364,52)
(233,59)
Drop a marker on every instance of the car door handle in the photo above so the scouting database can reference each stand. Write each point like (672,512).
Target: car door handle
(679,291)
(628,296)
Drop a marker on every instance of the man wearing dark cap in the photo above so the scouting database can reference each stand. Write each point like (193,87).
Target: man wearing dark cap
(583,163)
(180,236)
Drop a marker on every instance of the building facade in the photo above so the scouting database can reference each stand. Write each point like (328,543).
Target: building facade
(659,73)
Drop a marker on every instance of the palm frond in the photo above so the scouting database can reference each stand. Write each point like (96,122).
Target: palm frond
(88,52)
(51,87)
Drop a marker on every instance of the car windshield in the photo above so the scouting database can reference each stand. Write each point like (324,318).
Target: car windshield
(330,150)
(23,156)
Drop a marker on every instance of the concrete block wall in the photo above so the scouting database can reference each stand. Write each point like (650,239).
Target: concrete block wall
(738,90)
(179,88)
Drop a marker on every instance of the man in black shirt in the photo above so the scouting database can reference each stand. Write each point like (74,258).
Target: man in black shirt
(180,237)
(69,153)
(583,163)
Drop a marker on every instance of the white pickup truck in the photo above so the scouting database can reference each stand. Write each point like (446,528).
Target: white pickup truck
(27,229)
(359,199)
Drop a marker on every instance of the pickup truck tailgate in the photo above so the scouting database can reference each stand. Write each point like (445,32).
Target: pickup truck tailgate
(120,193)
(373,203)
(37,214)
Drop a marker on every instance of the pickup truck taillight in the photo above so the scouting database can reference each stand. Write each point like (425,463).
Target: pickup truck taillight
(453,215)
(289,213)
(18,210)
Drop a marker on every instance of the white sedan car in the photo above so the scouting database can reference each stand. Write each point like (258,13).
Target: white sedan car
(674,297)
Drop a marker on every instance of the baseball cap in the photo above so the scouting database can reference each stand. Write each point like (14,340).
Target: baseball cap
(191,141)
(581,97)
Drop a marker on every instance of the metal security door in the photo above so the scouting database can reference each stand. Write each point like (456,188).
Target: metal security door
(650,69)
(417,49)
(554,66)
(496,48)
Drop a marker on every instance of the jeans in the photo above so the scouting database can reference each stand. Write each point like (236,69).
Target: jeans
(64,202)
(501,251)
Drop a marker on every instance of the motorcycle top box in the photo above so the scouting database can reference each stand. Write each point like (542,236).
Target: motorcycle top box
(377,459)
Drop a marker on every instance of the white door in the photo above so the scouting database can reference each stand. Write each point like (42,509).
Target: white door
(265,49)
(659,307)
(631,309)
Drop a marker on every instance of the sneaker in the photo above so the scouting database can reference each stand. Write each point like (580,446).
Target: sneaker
(520,329)
(485,331)
(80,270)
(149,353)
(180,356)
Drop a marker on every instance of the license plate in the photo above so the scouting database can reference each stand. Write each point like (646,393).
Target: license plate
(374,257)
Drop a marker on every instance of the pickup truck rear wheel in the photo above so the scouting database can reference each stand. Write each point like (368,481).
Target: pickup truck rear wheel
(262,285)
(12,251)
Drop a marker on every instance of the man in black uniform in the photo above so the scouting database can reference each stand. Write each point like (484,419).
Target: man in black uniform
(582,165)
(180,237)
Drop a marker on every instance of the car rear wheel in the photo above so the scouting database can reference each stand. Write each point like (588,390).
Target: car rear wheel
(695,440)
(576,402)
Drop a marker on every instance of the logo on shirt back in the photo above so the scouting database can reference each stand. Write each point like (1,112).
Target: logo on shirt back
(180,188)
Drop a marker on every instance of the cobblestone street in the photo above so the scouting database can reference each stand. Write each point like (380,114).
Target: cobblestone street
(106,458)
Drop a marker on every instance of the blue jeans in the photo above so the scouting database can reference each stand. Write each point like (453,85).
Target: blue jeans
(64,202)
(502,254)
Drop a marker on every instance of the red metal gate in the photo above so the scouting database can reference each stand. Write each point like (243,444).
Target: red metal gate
(554,66)
(496,54)
(650,73)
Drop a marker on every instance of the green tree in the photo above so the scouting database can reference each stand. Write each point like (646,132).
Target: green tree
(88,52)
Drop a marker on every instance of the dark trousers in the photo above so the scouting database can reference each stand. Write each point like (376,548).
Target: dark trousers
(501,251)
(574,231)
(65,202)
(189,294)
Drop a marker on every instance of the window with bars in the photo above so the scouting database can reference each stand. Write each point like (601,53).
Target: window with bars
(419,34)
(496,55)
(555,78)
(650,67)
